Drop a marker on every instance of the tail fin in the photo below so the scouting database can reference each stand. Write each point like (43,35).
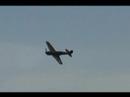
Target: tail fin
(69,52)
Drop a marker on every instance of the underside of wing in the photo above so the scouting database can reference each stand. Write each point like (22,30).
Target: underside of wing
(58,59)
(50,47)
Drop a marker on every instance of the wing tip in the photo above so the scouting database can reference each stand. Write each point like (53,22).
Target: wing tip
(47,41)
(61,63)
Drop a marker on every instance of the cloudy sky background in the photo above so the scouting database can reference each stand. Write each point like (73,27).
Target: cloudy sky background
(99,36)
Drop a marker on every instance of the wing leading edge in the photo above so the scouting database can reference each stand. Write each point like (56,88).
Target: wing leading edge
(51,48)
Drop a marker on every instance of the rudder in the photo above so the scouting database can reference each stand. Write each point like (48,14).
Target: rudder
(69,52)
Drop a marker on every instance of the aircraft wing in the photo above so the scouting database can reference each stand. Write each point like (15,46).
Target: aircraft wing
(50,47)
(58,59)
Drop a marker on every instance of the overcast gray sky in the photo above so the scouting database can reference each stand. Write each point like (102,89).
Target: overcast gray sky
(99,36)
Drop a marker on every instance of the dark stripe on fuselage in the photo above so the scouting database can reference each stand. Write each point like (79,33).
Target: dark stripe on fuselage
(56,53)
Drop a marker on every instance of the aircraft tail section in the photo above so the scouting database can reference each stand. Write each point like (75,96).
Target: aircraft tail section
(69,52)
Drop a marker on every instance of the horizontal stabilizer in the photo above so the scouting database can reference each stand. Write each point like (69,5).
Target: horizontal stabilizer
(69,52)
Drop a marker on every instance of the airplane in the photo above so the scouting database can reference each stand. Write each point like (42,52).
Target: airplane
(57,54)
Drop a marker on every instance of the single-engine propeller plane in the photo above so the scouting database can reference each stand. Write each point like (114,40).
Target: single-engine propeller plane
(57,54)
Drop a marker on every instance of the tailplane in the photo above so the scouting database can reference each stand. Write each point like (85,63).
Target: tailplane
(69,52)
